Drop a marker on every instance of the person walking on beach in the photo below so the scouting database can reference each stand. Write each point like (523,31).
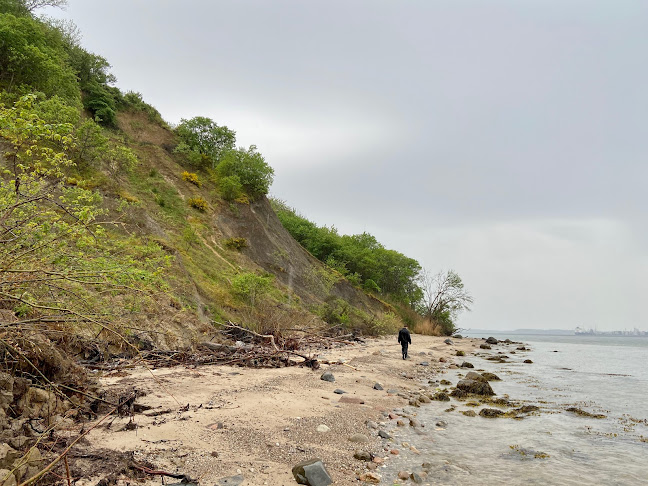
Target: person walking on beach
(404,339)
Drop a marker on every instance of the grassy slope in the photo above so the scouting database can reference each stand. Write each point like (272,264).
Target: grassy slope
(201,276)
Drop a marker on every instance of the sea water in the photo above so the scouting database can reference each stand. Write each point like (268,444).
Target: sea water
(599,375)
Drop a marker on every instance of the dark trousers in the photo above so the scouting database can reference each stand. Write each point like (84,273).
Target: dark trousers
(404,345)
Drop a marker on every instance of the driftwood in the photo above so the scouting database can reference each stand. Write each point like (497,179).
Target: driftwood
(252,349)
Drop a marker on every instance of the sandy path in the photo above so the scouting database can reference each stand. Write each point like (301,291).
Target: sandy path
(258,423)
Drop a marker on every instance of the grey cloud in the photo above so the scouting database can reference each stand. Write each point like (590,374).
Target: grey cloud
(452,130)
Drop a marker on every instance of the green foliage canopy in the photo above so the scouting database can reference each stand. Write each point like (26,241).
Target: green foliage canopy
(249,167)
(361,258)
(33,58)
(203,141)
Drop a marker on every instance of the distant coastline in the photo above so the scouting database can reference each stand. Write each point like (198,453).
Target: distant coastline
(558,332)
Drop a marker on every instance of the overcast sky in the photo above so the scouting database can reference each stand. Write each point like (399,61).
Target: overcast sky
(506,140)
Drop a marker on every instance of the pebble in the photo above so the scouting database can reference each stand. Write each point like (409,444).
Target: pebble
(394,452)
(370,477)
(359,438)
(322,428)
(339,391)
(327,376)
(416,478)
(403,475)
(362,455)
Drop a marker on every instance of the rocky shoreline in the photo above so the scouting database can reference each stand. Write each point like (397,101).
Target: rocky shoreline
(226,425)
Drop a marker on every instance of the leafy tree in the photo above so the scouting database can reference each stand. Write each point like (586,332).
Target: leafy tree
(57,261)
(33,58)
(254,174)
(203,141)
(444,297)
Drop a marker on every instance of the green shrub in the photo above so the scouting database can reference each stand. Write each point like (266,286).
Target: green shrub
(190,236)
(235,243)
(191,177)
(250,286)
(253,173)
(198,203)
(230,187)
(335,312)
(387,323)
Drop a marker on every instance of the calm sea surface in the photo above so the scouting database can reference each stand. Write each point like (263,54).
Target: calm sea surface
(600,375)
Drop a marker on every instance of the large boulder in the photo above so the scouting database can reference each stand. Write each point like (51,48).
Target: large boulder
(312,473)
(490,376)
(475,387)
(491,340)
(473,375)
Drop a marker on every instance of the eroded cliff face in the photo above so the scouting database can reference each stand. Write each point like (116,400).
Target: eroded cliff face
(274,250)
(205,265)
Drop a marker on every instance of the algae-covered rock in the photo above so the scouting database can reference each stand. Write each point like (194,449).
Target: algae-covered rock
(490,412)
(441,397)
(583,413)
(475,387)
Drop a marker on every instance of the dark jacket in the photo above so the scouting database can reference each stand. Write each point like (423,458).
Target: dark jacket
(404,336)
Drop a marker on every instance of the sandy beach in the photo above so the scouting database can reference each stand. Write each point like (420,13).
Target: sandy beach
(233,425)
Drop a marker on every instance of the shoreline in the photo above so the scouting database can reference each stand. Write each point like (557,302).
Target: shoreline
(231,425)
